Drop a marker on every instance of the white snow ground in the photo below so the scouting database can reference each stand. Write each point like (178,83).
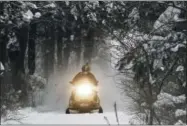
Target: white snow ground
(32,116)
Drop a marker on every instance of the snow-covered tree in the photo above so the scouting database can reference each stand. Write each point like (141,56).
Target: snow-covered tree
(158,61)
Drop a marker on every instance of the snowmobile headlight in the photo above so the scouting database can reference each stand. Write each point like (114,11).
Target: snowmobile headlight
(84,90)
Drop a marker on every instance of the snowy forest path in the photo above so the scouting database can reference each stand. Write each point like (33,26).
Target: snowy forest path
(32,116)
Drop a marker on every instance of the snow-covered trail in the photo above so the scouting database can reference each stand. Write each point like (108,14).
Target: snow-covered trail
(32,116)
(54,100)
(52,111)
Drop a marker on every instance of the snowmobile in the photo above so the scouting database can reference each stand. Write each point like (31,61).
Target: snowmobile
(84,98)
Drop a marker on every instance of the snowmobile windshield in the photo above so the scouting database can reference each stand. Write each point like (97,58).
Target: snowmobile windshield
(81,78)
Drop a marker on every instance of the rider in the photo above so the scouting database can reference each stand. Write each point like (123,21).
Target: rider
(85,74)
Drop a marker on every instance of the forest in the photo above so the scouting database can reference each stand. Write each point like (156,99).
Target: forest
(39,38)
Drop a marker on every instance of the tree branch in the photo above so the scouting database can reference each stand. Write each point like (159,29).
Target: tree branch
(166,75)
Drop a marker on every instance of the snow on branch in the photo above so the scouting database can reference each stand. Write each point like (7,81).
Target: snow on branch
(169,100)
(180,112)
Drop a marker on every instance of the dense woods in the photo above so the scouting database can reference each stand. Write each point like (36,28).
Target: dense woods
(151,50)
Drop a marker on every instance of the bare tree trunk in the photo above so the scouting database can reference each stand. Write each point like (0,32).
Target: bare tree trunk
(66,55)
(31,49)
(45,58)
(1,8)
(20,82)
(151,114)
(22,38)
(185,79)
(17,59)
(51,49)
(88,46)
(3,51)
(49,52)
(46,51)
(78,51)
(59,48)
(87,51)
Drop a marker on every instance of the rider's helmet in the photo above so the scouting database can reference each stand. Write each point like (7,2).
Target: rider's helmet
(86,68)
